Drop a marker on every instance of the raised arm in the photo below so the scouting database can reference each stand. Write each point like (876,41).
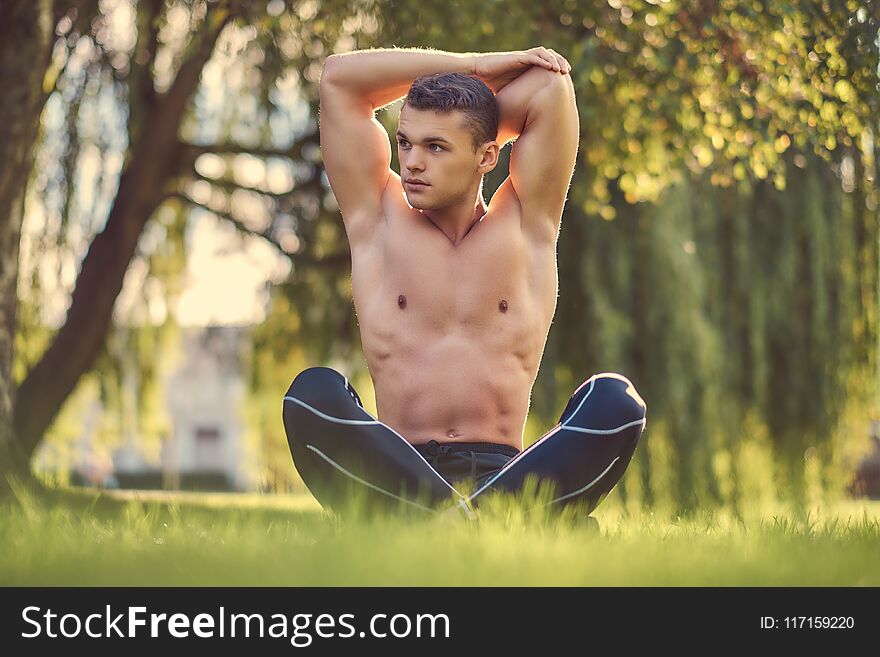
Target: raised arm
(354,145)
(539,110)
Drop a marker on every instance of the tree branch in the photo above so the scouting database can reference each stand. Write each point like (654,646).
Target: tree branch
(239,225)
(187,78)
(293,152)
(230,186)
(332,261)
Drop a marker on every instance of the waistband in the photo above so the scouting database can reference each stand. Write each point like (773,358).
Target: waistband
(434,447)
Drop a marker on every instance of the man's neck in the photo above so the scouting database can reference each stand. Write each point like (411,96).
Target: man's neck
(456,221)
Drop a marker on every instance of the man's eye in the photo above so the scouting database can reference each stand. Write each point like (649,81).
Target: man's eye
(437,145)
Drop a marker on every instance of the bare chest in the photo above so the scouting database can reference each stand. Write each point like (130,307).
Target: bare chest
(493,294)
(443,287)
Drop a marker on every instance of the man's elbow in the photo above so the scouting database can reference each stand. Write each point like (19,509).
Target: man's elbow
(541,77)
(557,92)
(328,71)
(559,85)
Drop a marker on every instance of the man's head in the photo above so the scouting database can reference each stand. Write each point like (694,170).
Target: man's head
(447,138)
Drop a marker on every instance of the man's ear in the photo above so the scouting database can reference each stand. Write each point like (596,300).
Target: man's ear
(489,159)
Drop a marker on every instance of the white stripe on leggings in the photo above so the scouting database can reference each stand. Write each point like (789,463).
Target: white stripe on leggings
(589,392)
(588,486)
(548,435)
(605,431)
(365,483)
(379,422)
(516,460)
(338,420)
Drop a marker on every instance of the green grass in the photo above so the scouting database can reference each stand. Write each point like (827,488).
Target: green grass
(87,538)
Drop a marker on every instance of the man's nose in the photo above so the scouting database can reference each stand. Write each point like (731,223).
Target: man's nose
(414,163)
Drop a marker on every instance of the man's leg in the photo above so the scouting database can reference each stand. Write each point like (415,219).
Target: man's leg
(338,447)
(586,453)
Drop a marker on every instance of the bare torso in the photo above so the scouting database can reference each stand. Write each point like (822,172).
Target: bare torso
(453,335)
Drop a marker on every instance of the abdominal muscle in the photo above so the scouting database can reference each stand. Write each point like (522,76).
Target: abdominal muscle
(450,389)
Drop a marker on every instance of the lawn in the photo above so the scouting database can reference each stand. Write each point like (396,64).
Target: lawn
(82,537)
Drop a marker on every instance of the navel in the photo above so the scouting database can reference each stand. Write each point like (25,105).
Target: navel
(401,301)
(503,306)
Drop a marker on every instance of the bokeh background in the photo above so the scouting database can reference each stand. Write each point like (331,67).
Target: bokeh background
(181,256)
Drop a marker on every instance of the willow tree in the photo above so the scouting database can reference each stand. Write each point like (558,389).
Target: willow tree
(720,243)
(126,80)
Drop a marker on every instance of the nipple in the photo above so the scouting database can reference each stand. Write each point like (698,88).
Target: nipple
(503,306)
(401,301)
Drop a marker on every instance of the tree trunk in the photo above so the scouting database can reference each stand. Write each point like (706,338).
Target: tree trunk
(142,187)
(26,30)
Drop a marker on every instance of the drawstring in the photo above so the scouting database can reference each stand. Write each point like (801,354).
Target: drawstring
(435,449)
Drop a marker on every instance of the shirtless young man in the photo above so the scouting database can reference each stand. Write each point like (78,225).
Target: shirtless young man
(454,298)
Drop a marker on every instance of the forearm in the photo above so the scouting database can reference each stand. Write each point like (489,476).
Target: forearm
(385,75)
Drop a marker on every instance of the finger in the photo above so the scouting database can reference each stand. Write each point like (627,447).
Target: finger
(548,58)
(547,55)
(534,60)
(565,67)
(542,61)
(561,62)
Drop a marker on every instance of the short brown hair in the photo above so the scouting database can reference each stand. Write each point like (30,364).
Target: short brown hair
(448,92)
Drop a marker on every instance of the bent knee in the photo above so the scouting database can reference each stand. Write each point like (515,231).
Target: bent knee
(324,390)
(622,386)
(314,384)
(606,402)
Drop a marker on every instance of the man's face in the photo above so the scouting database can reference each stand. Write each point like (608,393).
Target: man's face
(437,149)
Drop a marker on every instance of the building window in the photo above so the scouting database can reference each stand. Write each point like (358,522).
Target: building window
(207,435)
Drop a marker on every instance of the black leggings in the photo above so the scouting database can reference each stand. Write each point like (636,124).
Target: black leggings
(338,447)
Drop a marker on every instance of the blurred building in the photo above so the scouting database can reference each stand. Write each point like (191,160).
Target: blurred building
(204,397)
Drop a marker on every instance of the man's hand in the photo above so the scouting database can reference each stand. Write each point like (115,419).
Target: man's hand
(498,69)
